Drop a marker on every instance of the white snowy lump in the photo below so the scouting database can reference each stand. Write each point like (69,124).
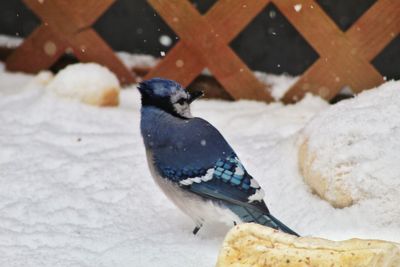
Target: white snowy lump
(88,82)
(253,245)
(350,152)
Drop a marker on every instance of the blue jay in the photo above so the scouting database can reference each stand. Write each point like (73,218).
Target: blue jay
(192,162)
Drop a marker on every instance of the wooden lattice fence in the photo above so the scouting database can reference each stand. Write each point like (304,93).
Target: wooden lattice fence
(66,27)
(344,57)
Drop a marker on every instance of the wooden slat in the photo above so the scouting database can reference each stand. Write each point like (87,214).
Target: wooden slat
(321,76)
(67,24)
(322,33)
(228,20)
(31,55)
(84,13)
(326,86)
(376,28)
(314,25)
(202,38)
(52,15)
(89,47)
(339,60)
(331,74)
(180,64)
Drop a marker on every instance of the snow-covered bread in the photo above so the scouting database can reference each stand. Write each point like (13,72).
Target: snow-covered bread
(253,245)
(90,83)
(351,151)
(43,78)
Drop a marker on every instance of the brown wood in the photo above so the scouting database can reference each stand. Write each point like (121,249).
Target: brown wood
(171,66)
(327,85)
(91,47)
(5,52)
(67,26)
(38,51)
(204,46)
(376,28)
(228,22)
(344,57)
(340,63)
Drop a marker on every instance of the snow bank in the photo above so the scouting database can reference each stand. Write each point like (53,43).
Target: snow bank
(76,190)
(10,41)
(90,83)
(137,60)
(350,153)
(280,84)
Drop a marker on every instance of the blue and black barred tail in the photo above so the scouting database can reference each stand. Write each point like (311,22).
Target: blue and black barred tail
(252,214)
(276,224)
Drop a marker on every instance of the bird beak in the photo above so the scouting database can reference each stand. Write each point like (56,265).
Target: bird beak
(194,95)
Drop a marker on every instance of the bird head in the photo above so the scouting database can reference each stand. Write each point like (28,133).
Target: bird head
(168,95)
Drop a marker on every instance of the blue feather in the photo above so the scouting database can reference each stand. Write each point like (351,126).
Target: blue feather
(193,155)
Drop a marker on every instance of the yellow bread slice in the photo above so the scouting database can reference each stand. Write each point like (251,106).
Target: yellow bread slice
(255,245)
(332,190)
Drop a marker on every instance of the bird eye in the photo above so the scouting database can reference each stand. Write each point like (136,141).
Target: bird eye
(181,101)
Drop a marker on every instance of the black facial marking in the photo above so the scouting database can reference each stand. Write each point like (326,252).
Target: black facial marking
(181,101)
(163,103)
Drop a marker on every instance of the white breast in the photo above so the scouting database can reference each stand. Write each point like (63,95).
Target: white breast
(199,209)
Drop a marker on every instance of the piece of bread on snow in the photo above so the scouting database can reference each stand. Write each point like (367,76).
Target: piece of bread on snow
(333,190)
(350,152)
(253,245)
(90,83)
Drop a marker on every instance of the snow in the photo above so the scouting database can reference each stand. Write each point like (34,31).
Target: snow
(76,190)
(280,84)
(165,40)
(10,41)
(297,7)
(137,60)
(84,81)
(257,196)
(362,152)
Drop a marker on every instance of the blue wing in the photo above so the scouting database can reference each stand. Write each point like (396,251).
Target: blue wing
(228,182)
(190,151)
(199,159)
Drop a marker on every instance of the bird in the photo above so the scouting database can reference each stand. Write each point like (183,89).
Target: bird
(193,164)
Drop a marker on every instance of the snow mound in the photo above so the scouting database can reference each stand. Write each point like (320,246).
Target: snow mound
(43,78)
(76,189)
(280,84)
(137,60)
(350,152)
(88,82)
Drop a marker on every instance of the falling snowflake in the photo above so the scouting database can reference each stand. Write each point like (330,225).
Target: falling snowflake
(165,40)
(297,7)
